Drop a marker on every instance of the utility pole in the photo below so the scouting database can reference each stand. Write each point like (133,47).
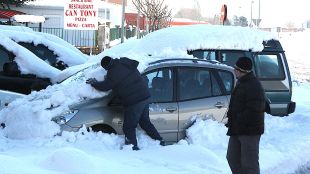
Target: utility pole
(251,13)
(138,24)
(258,14)
(123,21)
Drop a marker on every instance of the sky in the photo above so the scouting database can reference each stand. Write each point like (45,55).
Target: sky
(28,146)
(274,13)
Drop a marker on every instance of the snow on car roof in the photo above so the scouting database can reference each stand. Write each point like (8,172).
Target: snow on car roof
(28,62)
(65,54)
(48,36)
(176,41)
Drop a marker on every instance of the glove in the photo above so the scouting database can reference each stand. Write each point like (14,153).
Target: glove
(227,124)
(91,81)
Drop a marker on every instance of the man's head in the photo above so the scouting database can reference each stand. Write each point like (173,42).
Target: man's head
(106,62)
(243,66)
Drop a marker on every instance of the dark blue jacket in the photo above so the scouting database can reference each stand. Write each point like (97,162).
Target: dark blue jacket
(125,81)
(246,107)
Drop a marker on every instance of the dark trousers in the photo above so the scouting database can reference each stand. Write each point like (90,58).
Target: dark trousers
(138,114)
(243,154)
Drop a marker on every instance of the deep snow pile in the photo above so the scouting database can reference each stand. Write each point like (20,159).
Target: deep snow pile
(27,145)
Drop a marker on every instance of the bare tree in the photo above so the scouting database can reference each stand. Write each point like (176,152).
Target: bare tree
(193,12)
(240,21)
(158,14)
(290,25)
(189,13)
(197,7)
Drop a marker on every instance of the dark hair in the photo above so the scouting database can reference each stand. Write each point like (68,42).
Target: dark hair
(106,62)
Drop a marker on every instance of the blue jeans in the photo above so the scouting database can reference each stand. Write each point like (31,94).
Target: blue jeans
(138,114)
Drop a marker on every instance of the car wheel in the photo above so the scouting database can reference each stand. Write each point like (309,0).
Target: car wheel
(103,128)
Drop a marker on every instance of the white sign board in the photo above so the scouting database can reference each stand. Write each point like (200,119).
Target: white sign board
(81,15)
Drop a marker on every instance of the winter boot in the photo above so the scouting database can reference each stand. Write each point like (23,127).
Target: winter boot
(162,143)
(135,148)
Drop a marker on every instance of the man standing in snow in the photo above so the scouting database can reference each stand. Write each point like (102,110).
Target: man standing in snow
(245,120)
(130,87)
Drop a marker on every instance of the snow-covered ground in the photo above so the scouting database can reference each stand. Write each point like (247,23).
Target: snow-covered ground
(284,146)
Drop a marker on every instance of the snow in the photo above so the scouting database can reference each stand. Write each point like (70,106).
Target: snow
(27,61)
(65,54)
(27,144)
(175,44)
(30,63)
(28,18)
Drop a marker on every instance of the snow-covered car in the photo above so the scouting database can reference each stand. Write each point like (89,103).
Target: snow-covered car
(73,103)
(226,44)
(55,51)
(21,71)
(182,90)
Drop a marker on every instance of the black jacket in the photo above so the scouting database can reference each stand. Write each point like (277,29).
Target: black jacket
(246,108)
(125,81)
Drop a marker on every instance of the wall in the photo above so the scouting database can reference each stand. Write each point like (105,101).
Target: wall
(117,1)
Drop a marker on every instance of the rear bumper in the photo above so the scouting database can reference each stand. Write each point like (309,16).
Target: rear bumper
(291,107)
(281,109)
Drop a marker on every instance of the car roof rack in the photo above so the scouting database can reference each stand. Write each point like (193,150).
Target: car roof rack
(185,59)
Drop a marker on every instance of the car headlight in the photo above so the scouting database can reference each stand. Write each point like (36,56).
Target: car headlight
(64,117)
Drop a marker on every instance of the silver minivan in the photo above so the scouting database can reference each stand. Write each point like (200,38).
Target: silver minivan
(182,90)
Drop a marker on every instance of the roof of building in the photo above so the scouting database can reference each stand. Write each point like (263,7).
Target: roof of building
(7,14)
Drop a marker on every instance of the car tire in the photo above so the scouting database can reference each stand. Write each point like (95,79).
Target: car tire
(103,128)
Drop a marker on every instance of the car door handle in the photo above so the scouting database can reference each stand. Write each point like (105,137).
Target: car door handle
(219,105)
(171,109)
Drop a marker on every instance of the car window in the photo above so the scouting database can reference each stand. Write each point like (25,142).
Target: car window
(194,83)
(227,79)
(5,57)
(160,83)
(230,57)
(269,66)
(41,51)
(227,57)
(204,54)
(216,89)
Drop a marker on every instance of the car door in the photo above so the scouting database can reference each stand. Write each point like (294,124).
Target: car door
(163,108)
(272,70)
(5,96)
(201,94)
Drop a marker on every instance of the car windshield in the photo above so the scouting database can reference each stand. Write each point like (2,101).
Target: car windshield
(77,77)
(80,74)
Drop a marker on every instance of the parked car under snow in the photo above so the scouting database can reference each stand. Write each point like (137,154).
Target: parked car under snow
(31,61)
(55,51)
(72,103)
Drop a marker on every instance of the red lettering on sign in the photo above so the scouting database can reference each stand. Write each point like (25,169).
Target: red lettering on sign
(79,19)
(72,25)
(88,13)
(71,13)
(88,25)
